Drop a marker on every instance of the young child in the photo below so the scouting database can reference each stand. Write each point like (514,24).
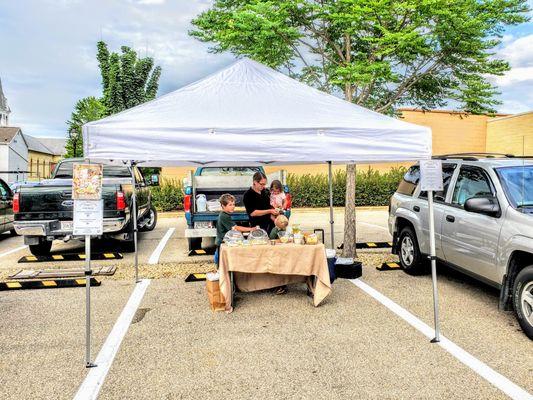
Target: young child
(224,222)
(277,196)
(281,223)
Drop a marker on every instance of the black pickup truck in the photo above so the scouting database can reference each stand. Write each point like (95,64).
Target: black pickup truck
(44,212)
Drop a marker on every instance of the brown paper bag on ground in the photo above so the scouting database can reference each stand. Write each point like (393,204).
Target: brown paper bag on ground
(216,299)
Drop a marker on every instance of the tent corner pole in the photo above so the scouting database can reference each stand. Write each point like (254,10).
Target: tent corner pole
(331,220)
(134,218)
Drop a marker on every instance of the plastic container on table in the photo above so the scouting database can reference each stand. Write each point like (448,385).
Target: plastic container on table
(233,238)
(258,237)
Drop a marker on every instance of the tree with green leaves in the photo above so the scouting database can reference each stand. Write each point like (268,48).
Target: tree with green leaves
(86,110)
(381,54)
(127,80)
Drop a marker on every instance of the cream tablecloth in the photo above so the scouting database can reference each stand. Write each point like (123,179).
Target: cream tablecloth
(267,266)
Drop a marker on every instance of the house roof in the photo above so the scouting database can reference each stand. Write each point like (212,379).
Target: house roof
(35,144)
(7,134)
(55,145)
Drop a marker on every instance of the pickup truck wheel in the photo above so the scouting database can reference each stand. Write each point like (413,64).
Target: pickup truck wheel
(152,220)
(194,243)
(523,300)
(13,232)
(42,248)
(409,252)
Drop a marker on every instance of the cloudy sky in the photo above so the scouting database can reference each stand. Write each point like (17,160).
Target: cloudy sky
(48,47)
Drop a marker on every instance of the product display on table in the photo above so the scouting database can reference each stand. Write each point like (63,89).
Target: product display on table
(258,237)
(233,238)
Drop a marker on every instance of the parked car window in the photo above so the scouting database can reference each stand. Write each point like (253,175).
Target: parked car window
(229,171)
(517,183)
(64,170)
(471,182)
(4,189)
(447,173)
(410,181)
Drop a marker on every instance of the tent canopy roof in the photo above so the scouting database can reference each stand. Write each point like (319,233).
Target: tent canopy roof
(249,113)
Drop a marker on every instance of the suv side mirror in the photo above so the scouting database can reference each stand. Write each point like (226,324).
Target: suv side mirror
(154,180)
(484,205)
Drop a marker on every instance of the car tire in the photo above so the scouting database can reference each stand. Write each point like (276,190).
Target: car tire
(42,248)
(194,243)
(409,252)
(523,300)
(13,232)
(152,222)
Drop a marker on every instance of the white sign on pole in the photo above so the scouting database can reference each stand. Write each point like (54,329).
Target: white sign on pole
(431,175)
(88,217)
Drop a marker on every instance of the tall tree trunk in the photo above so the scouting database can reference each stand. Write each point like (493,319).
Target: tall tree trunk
(349,249)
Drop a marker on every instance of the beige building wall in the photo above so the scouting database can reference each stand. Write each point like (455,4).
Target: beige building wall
(511,135)
(40,165)
(453,132)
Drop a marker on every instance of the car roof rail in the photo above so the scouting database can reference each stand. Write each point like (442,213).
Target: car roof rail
(473,156)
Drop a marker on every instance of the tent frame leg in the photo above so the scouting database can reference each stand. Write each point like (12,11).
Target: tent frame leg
(134,218)
(331,220)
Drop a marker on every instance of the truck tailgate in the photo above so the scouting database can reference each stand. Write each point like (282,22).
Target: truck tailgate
(46,202)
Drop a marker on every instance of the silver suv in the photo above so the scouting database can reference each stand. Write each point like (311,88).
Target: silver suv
(483,225)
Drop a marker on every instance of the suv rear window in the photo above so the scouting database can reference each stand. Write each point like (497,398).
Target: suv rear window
(410,181)
(229,171)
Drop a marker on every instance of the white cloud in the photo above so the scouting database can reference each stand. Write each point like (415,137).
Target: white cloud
(519,52)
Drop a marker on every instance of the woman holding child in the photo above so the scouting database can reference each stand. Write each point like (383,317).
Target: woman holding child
(257,201)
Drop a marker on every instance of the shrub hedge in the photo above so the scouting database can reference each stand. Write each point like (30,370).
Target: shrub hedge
(372,189)
(168,196)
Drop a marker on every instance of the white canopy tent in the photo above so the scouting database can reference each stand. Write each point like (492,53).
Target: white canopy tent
(249,114)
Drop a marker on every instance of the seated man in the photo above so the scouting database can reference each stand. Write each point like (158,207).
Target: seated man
(257,203)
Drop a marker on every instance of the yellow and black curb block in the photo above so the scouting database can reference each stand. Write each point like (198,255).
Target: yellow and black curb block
(390,266)
(195,277)
(374,245)
(202,252)
(46,284)
(70,257)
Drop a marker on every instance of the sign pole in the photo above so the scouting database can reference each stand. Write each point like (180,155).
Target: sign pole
(431,179)
(433,258)
(88,276)
(88,218)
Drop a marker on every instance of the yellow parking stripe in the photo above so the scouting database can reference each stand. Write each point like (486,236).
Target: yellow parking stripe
(371,245)
(200,251)
(57,257)
(31,258)
(82,256)
(393,265)
(80,281)
(389,243)
(109,255)
(13,285)
(199,276)
(49,283)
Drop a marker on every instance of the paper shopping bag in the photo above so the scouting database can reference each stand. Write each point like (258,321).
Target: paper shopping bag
(216,299)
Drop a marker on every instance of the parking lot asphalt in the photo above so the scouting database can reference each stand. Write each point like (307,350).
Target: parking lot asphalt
(271,346)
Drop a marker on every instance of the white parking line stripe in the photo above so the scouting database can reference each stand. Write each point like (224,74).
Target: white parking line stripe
(154,258)
(94,380)
(12,251)
(501,382)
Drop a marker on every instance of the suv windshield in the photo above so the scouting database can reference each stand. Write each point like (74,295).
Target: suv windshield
(64,170)
(229,171)
(518,185)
